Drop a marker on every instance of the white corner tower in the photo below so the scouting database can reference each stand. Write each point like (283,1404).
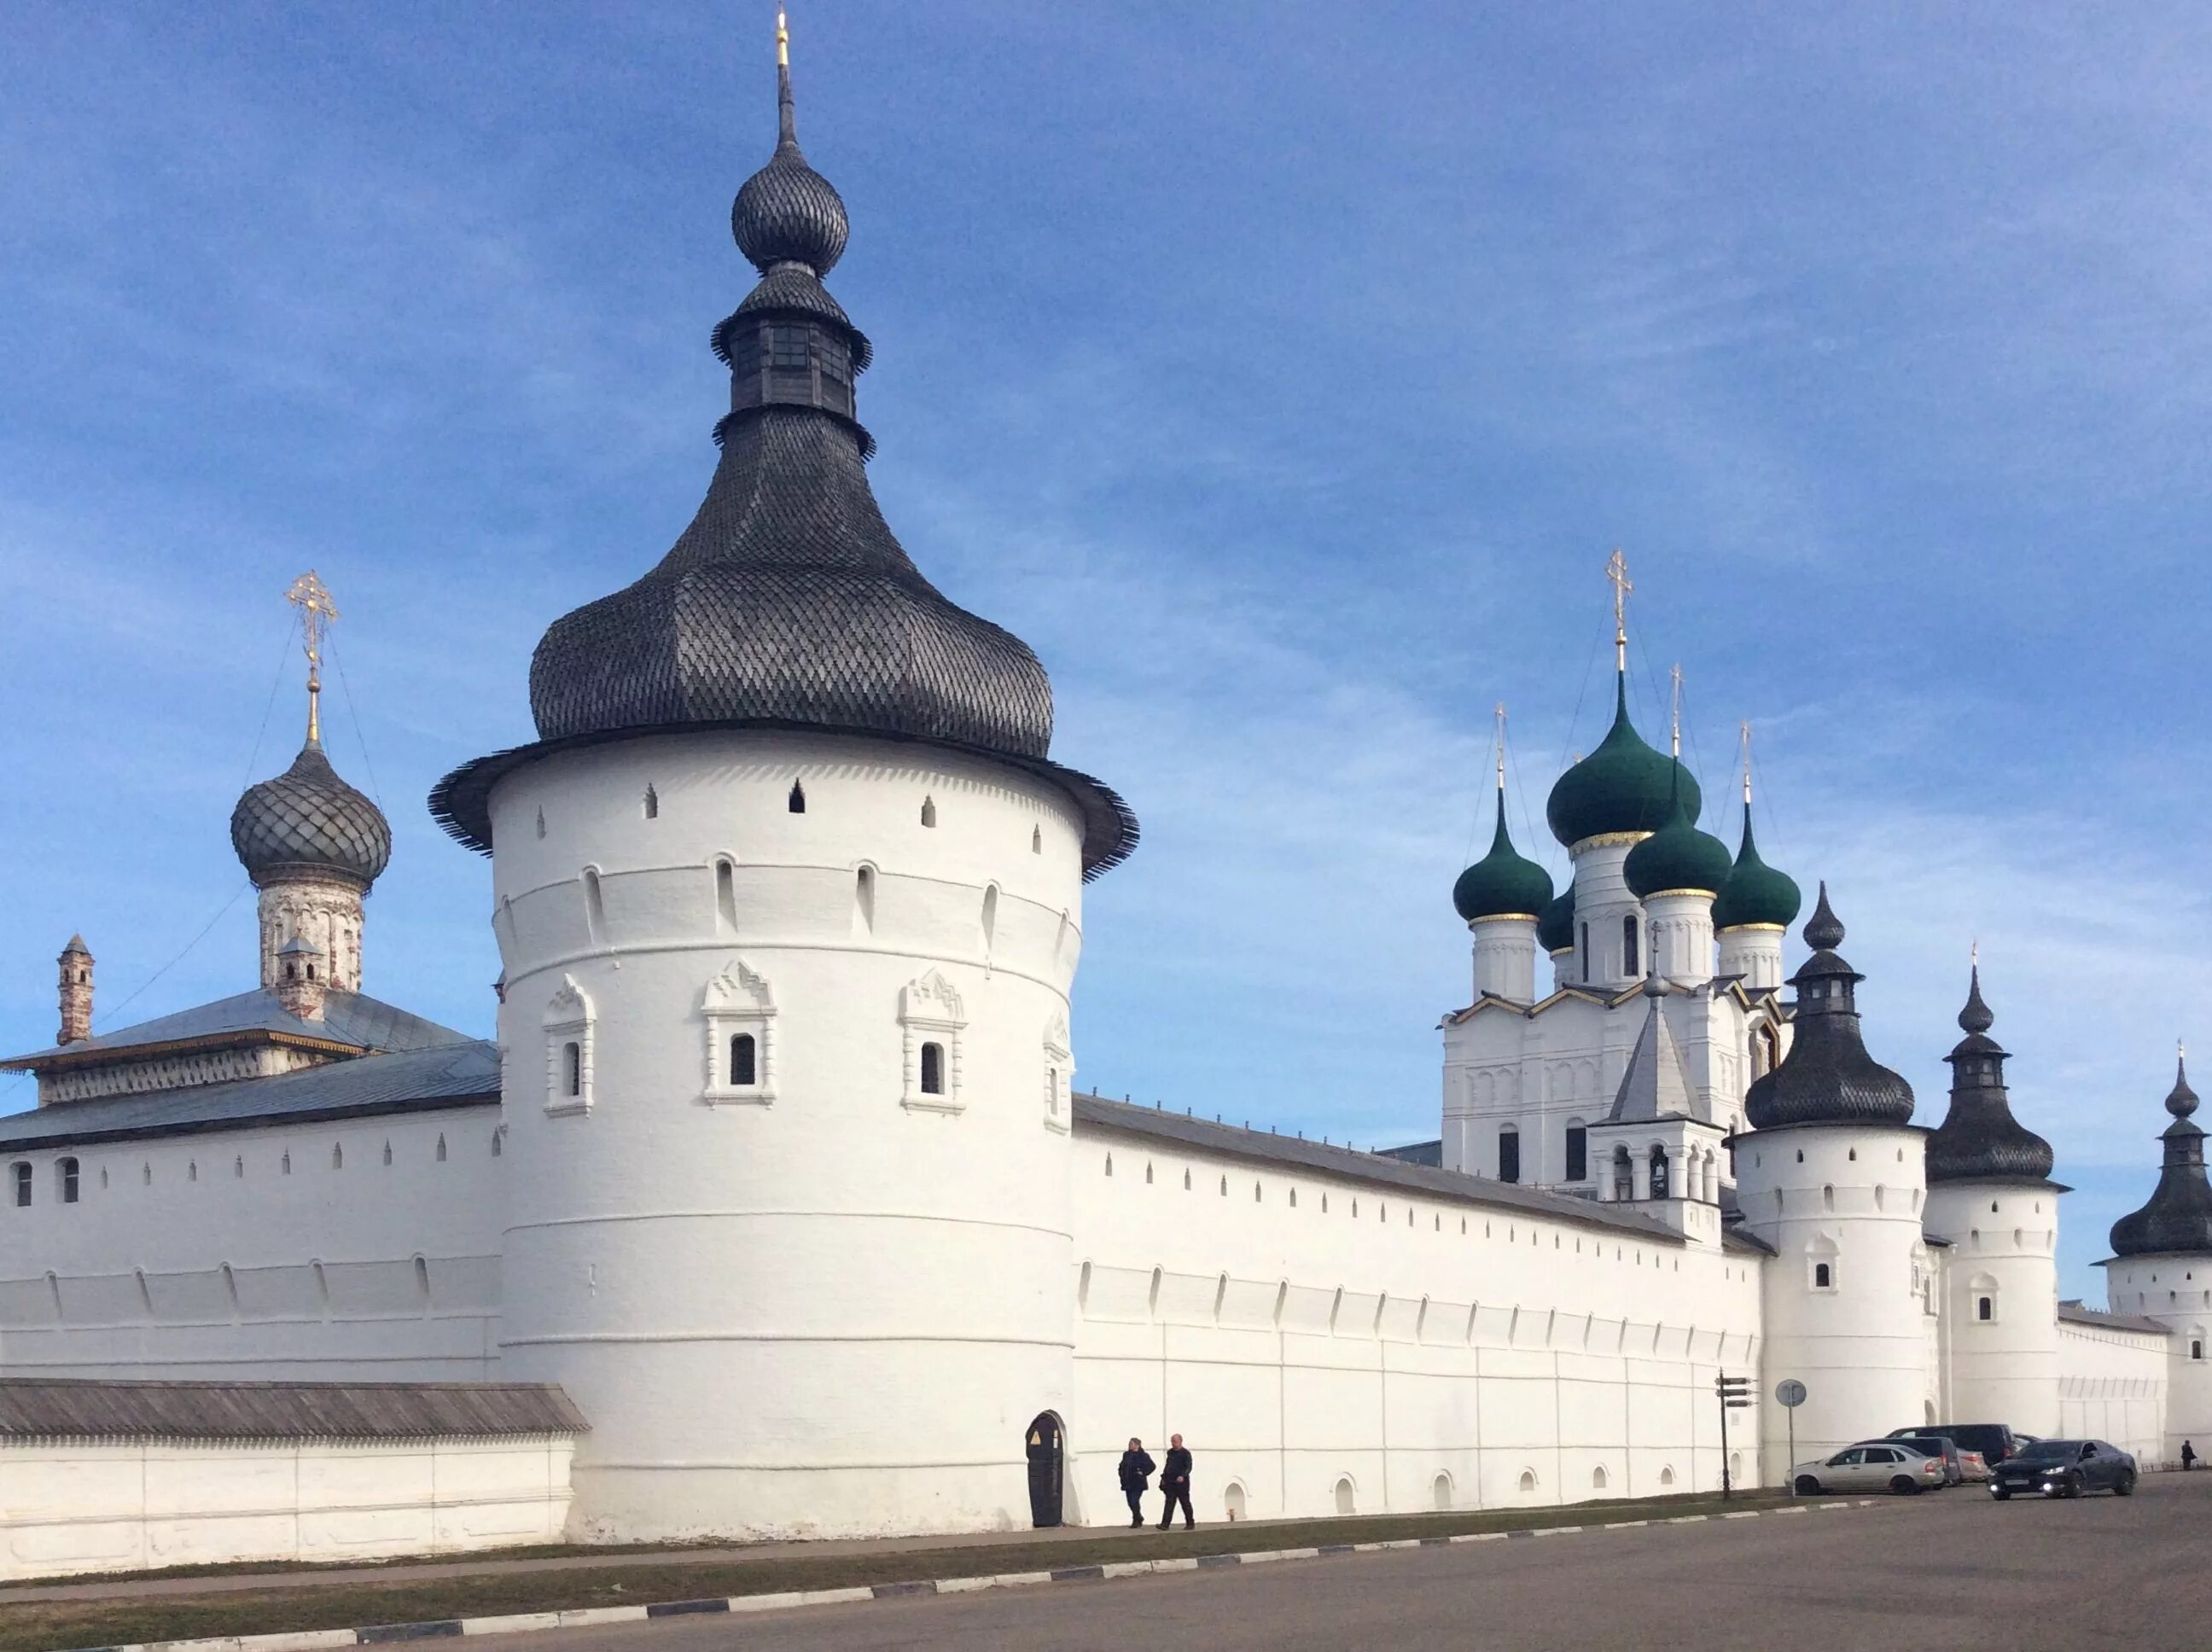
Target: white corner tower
(1989,1193)
(2162,1269)
(789,904)
(1832,1176)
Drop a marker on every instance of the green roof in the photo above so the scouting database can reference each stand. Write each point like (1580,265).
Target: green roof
(1755,893)
(1555,927)
(1622,787)
(1502,883)
(1675,857)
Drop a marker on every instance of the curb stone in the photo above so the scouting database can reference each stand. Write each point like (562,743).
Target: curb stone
(315,1640)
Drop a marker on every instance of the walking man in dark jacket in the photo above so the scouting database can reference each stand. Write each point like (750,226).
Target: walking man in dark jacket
(2188,1455)
(1136,1473)
(1175,1485)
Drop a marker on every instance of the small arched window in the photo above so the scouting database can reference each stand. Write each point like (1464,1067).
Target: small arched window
(1186,1181)
(238,1168)
(1345,1498)
(572,1068)
(2196,1347)
(1597,1479)
(1508,1154)
(1823,1278)
(541,823)
(595,907)
(1985,1307)
(1110,1164)
(744,1061)
(337,1156)
(287,1164)
(498,1141)
(1036,840)
(191,1170)
(65,1180)
(726,896)
(442,1150)
(797,801)
(1527,1479)
(933,1069)
(1828,1198)
(1224,1187)
(387,1152)
(1585,959)
(1148,1172)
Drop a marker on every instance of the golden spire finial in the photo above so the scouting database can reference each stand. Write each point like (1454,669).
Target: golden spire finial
(1974,953)
(1616,569)
(1744,727)
(1674,715)
(1501,747)
(313,598)
(782,41)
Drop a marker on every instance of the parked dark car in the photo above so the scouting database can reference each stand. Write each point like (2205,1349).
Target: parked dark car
(1938,1445)
(2064,1468)
(1995,1441)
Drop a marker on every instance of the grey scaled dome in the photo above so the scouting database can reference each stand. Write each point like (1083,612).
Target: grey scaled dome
(1979,1140)
(2179,1217)
(308,819)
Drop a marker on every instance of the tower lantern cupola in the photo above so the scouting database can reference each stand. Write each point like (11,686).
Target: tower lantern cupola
(1827,1077)
(1979,1138)
(2178,1214)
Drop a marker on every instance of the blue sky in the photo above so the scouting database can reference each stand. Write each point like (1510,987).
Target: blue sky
(1283,374)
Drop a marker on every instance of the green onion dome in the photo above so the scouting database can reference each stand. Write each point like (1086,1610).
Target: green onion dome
(1555,928)
(1755,893)
(1622,787)
(1678,856)
(1503,883)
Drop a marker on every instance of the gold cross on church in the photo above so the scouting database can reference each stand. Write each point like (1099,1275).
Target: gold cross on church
(1616,570)
(313,598)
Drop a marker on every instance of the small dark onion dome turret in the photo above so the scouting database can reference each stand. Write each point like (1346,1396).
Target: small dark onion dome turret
(1555,927)
(1503,883)
(1678,858)
(308,820)
(1622,787)
(1827,1077)
(1979,1139)
(2179,1217)
(1755,896)
(788,212)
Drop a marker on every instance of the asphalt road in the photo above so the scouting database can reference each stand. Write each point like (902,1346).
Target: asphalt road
(1952,1570)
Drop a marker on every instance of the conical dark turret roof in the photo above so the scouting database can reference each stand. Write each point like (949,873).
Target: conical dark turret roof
(1827,1077)
(788,603)
(2179,1217)
(1979,1139)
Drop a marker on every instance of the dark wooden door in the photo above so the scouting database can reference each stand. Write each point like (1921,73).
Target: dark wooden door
(1046,1468)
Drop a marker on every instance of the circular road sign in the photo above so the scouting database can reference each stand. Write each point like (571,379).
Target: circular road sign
(1791,1393)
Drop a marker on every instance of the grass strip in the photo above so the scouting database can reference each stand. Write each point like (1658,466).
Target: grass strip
(42,1625)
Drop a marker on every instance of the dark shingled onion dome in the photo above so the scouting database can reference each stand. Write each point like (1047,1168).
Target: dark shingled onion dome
(2179,1217)
(1827,1077)
(308,820)
(1503,883)
(787,603)
(1555,927)
(1755,895)
(1676,856)
(1622,787)
(1979,1139)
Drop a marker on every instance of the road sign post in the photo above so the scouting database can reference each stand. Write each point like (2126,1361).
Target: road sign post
(1735,1394)
(1791,1394)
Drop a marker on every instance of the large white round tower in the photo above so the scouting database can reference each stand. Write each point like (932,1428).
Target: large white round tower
(2161,1269)
(1831,1175)
(1989,1193)
(789,900)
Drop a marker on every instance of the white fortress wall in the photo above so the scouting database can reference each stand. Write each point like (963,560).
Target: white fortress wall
(828,1301)
(2112,1386)
(76,1506)
(375,1256)
(1385,1348)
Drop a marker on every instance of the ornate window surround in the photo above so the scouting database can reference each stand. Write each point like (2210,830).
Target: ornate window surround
(1059,1077)
(930,1012)
(738,1001)
(570,1018)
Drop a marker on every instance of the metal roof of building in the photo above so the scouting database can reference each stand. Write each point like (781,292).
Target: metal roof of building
(1372,1168)
(2071,1312)
(354,1019)
(449,1075)
(83,1408)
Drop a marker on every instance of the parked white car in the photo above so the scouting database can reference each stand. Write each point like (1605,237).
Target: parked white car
(1873,1466)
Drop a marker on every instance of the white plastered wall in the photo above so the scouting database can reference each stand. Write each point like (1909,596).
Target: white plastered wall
(75,1506)
(835,1308)
(203,1255)
(2003,1368)
(2112,1386)
(1386,1339)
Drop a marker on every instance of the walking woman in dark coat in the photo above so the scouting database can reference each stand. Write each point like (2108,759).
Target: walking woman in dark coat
(1136,1468)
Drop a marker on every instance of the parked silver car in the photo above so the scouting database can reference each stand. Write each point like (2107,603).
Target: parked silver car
(1871,1466)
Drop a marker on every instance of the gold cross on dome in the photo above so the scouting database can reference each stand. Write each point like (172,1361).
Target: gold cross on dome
(1501,745)
(1616,570)
(1675,714)
(313,598)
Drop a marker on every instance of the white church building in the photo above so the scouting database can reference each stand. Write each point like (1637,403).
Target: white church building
(773,1208)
